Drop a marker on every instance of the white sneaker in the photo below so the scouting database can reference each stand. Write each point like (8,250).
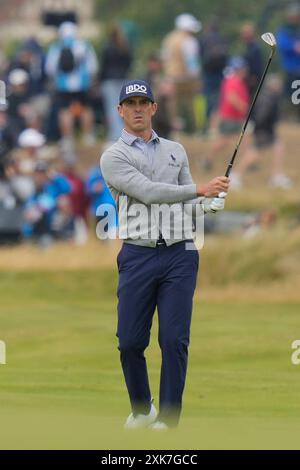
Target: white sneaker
(67,145)
(140,420)
(89,140)
(281,181)
(159,425)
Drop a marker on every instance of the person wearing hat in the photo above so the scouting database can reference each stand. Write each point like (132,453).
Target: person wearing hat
(181,62)
(19,110)
(31,139)
(265,119)
(157,263)
(30,57)
(7,141)
(233,107)
(31,143)
(49,202)
(21,166)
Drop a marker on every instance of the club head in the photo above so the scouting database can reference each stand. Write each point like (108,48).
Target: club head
(269,38)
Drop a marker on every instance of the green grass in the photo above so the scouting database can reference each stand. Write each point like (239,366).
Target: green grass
(62,386)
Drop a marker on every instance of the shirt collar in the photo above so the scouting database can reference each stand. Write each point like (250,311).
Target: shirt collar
(129,139)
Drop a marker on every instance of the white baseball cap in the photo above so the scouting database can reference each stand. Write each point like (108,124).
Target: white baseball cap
(187,22)
(31,138)
(17,77)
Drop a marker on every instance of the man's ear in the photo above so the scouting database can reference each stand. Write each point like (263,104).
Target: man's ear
(154,108)
(120,110)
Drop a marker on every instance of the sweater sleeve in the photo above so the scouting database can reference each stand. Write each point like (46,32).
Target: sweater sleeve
(185,178)
(127,179)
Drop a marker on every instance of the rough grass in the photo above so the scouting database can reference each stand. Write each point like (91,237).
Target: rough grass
(267,264)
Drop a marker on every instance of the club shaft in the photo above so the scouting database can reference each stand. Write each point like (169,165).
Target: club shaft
(229,168)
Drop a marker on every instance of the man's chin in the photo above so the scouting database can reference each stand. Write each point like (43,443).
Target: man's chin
(138,126)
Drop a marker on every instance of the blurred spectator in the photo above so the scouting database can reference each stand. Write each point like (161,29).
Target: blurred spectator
(10,213)
(288,39)
(16,187)
(30,143)
(19,175)
(115,62)
(233,107)
(72,64)
(78,197)
(31,139)
(249,224)
(48,213)
(4,63)
(30,57)
(162,89)
(21,165)
(99,194)
(10,205)
(20,113)
(252,55)
(7,141)
(181,59)
(265,118)
(131,31)
(214,56)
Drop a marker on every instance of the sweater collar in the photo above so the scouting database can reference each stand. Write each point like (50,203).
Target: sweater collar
(129,139)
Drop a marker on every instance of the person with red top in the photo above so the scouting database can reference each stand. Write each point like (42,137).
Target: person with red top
(233,107)
(78,196)
(79,199)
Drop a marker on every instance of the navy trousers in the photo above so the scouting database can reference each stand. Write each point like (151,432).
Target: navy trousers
(162,277)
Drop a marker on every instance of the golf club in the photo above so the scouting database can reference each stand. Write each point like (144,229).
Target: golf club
(269,38)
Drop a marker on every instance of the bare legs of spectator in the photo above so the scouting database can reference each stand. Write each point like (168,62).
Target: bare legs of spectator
(181,105)
(213,124)
(248,159)
(221,141)
(66,126)
(66,123)
(87,122)
(278,177)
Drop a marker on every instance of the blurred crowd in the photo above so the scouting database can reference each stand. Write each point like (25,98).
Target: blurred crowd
(61,94)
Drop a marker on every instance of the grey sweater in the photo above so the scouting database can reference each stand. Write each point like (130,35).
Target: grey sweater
(151,188)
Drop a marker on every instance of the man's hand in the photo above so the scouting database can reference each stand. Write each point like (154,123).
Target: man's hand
(214,204)
(214,187)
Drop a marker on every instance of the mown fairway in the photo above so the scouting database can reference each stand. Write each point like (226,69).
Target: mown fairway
(62,385)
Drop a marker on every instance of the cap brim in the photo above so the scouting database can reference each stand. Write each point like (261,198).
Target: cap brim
(133,95)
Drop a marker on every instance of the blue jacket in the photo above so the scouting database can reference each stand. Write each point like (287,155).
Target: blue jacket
(286,39)
(79,79)
(46,199)
(97,198)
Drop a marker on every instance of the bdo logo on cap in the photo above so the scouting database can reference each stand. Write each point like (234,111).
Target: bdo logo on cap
(136,88)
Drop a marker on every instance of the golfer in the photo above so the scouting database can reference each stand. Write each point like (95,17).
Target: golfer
(154,271)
